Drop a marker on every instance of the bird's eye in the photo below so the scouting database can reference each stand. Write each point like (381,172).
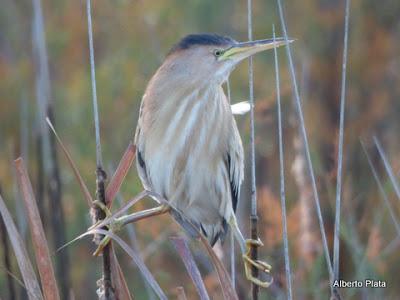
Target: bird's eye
(218,52)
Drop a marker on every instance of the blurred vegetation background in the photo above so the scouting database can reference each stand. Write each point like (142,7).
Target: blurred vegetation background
(131,38)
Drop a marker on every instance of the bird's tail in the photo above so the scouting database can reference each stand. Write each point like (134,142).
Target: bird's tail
(212,232)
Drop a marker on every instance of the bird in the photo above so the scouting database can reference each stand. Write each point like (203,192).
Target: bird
(188,147)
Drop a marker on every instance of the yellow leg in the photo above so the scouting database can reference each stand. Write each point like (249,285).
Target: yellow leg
(103,207)
(245,246)
(112,226)
(116,224)
(260,265)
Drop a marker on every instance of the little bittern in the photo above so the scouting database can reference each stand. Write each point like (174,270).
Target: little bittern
(189,149)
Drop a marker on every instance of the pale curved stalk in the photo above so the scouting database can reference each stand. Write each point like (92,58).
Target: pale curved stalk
(303,131)
(282,177)
(336,239)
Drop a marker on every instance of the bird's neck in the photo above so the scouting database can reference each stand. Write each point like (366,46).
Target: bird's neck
(174,88)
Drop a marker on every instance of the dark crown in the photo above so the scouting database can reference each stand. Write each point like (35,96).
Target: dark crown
(202,39)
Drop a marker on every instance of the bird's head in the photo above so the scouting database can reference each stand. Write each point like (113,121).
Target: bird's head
(211,58)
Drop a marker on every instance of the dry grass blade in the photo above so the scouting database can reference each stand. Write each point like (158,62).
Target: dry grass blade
(43,260)
(14,277)
(118,279)
(223,276)
(336,241)
(78,176)
(181,246)
(119,175)
(24,264)
(382,190)
(137,260)
(7,259)
(388,168)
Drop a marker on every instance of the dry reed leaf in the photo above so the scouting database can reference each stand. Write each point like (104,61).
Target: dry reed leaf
(118,278)
(42,253)
(24,263)
(228,290)
(118,178)
(181,246)
(135,257)
(77,174)
(226,284)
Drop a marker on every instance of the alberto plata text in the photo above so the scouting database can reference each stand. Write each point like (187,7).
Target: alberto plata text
(368,283)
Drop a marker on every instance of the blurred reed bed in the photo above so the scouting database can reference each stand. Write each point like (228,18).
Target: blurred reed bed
(350,245)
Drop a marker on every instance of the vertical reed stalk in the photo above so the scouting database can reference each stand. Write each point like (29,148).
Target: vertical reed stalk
(101,176)
(253,212)
(49,175)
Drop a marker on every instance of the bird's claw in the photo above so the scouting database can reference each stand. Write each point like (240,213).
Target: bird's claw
(100,205)
(113,226)
(104,242)
(260,265)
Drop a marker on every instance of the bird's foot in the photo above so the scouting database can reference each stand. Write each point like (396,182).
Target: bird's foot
(114,226)
(260,265)
(97,204)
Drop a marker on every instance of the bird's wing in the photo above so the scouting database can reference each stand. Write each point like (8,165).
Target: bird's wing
(138,140)
(235,165)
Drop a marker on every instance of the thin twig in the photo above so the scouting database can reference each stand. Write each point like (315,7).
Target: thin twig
(71,162)
(306,145)
(253,215)
(100,173)
(336,240)
(282,175)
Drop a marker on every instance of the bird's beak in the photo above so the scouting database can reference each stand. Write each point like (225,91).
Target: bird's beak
(243,50)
